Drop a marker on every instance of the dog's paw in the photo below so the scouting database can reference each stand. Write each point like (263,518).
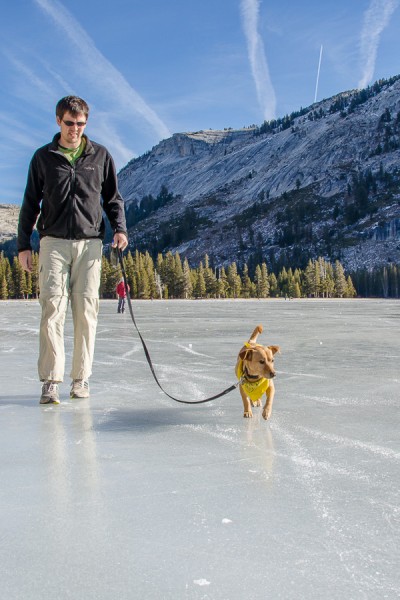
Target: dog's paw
(266,414)
(248,414)
(256,403)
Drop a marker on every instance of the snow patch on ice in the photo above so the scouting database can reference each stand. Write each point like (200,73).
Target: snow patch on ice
(201,582)
(190,350)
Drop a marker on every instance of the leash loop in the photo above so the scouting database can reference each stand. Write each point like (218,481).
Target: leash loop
(147,353)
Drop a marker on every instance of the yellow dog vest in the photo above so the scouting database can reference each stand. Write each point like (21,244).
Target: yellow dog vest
(253,389)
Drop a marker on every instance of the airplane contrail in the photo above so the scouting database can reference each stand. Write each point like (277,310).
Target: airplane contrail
(376,18)
(100,70)
(318,72)
(258,62)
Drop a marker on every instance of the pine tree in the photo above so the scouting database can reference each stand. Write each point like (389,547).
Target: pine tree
(179,279)
(19,279)
(321,269)
(209,279)
(148,267)
(3,278)
(350,289)
(131,274)
(327,279)
(293,287)
(114,276)
(168,273)
(273,285)
(160,267)
(326,284)
(247,284)
(105,269)
(159,285)
(3,288)
(187,280)
(340,280)
(28,284)
(264,281)
(235,283)
(394,281)
(309,279)
(296,291)
(298,280)
(258,281)
(200,289)
(283,282)
(143,284)
(222,285)
(35,275)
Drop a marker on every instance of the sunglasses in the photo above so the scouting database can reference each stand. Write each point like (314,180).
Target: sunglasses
(72,123)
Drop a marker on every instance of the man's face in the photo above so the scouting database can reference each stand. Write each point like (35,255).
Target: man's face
(72,127)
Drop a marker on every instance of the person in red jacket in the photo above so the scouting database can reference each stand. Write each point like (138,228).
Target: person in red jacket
(121,293)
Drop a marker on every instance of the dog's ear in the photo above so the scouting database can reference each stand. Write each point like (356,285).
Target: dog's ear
(246,354)
(275,349)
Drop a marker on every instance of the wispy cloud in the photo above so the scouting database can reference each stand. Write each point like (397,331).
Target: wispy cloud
(100,72)
(41,89)
(106,131)
(37,84)
(15,137)
(258,62)
(376,18)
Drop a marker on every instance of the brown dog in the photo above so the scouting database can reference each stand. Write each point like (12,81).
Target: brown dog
(255,371)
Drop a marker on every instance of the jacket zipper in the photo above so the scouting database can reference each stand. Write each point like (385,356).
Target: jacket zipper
(71,194)
(71,206)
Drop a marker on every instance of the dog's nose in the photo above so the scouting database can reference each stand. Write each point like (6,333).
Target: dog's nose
(272,374)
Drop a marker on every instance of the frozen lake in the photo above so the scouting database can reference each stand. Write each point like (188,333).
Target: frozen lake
(131,496)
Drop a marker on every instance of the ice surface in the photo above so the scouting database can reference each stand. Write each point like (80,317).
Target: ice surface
(130,495)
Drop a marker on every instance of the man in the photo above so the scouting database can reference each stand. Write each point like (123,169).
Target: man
(70,182)
(121,293)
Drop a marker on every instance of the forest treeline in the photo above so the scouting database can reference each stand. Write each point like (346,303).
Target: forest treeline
(170,277)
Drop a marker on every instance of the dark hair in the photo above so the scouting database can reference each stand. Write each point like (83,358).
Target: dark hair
(71,104)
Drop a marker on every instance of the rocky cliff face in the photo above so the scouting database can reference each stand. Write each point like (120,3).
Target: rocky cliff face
(322,181)
(9,214)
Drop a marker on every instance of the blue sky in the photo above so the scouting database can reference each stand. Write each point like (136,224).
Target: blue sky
(151,68)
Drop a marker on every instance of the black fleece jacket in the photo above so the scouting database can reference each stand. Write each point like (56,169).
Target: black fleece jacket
(70,199)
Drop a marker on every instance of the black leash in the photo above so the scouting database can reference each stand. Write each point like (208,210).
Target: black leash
(230,389)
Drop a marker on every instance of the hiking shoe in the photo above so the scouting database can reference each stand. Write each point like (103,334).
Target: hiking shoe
(80,388)
(49,393)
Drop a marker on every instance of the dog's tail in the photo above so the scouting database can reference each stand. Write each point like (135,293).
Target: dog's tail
(255,334)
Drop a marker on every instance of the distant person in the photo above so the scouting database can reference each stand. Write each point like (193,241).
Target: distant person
(121,293)
(70,181)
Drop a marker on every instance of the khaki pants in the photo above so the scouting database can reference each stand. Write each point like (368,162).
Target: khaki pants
(69,270)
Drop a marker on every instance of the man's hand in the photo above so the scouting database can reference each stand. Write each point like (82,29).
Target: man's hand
(25,260)
(120,241)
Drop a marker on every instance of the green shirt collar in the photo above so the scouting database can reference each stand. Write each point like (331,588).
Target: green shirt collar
(72,154)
